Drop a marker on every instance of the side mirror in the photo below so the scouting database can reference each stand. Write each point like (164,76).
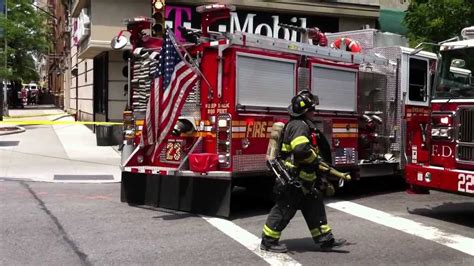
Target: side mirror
(118,42)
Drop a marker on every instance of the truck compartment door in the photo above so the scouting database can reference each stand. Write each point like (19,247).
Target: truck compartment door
(264,81)
(416,89)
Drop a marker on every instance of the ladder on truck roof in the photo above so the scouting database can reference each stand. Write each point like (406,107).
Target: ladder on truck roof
(281,45)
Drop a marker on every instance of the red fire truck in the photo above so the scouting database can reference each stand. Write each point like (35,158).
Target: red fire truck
(440,142)
(220,139)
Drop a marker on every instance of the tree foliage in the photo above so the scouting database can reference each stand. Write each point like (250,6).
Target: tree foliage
(438,20)
(26,33)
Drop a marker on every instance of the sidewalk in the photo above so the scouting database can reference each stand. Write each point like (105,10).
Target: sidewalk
(55,153)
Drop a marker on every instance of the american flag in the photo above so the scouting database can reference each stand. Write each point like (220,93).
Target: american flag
(173,82)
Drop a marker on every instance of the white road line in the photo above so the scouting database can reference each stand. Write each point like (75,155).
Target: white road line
(250,241)
(458,242)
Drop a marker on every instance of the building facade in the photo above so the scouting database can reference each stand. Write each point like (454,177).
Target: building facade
(96,83)
(97,90)
(58,57)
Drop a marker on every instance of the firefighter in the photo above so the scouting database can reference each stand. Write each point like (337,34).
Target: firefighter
(300,154)
(318,37)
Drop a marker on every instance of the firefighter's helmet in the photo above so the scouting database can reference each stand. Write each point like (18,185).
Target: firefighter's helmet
(301,103)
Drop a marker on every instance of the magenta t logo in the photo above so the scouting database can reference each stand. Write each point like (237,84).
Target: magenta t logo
(178,18)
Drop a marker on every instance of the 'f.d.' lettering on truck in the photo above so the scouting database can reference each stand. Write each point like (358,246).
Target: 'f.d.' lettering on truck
(441,150)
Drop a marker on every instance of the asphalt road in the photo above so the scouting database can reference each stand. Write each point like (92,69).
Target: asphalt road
(86,224)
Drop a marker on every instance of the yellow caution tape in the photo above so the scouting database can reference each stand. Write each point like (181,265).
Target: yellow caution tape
(40,115)
(45,122)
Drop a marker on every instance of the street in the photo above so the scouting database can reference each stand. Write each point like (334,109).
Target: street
(86,224)
(58,207)
(156,132)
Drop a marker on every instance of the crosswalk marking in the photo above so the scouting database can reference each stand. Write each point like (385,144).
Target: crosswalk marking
(250,241)
(458,242)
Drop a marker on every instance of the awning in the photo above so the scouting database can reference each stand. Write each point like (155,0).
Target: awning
(391,20)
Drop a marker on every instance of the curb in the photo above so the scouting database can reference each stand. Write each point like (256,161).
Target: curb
(11,130)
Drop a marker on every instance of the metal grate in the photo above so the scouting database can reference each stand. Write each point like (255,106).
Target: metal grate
(466,153)
(466,129)
(466,135)
(250,163)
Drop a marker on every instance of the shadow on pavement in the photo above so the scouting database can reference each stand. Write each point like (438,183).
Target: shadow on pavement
(369,187)
(247,203)
(169,215)
(7,143)
(258,201)
(307,245)
(461,213)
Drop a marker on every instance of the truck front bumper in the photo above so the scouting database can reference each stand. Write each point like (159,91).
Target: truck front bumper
(439,178)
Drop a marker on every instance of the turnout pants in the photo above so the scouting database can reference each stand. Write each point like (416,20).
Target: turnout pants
(287,203)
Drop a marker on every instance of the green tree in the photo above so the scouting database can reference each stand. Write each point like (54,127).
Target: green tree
(26,34)
(438,20)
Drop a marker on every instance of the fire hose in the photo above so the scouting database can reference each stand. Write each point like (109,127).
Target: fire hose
(324,167)
(284,176)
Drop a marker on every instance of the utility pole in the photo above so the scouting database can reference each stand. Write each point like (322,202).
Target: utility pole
(3,86)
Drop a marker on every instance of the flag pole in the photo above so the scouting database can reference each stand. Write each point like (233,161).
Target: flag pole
(193,63)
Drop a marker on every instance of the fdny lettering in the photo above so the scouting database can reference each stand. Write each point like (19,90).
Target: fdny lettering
(441,151)
(257,129)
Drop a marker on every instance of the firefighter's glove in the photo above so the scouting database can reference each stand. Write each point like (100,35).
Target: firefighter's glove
(347,177)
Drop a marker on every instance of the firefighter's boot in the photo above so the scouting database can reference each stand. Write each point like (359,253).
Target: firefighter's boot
(327,241)
(272,245)
(332,243)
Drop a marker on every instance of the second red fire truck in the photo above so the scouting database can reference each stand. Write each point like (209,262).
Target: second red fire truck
(440,142)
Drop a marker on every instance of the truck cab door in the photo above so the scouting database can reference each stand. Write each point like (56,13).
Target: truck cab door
(416,90)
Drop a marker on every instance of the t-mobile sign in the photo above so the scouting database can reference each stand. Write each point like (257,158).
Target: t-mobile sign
(263,23)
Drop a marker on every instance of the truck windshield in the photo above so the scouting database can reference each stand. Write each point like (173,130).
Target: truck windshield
(455,74)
